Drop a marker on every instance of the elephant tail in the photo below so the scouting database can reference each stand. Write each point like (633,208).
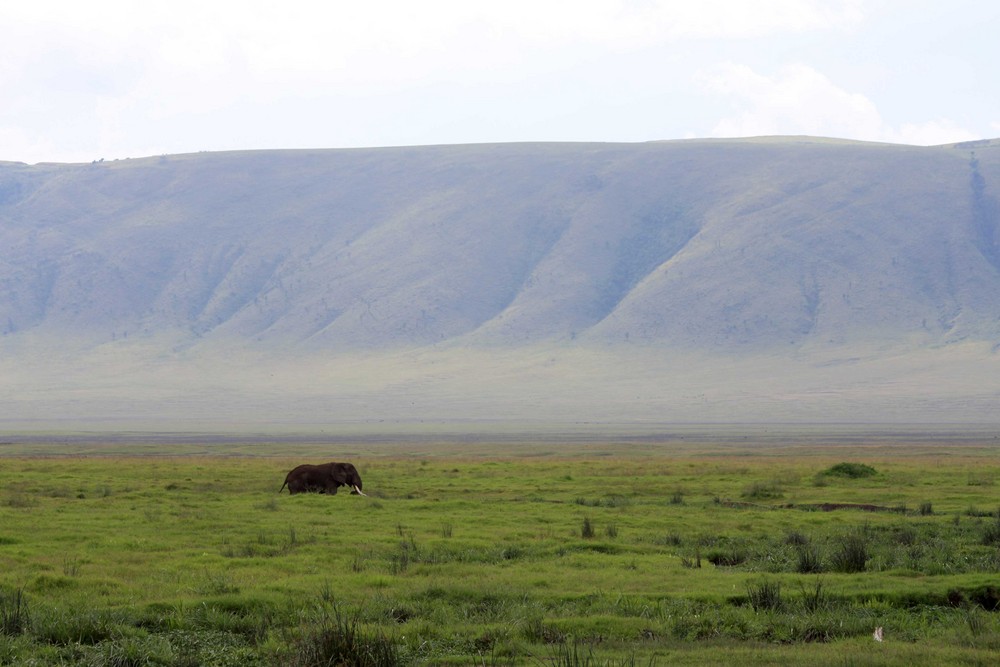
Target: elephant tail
(283,486)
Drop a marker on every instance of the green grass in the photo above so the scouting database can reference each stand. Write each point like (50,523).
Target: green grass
(500,556)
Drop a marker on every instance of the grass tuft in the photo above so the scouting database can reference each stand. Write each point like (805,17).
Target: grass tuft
(14,617)
(808,560)
(340,641)
(815,599)
(851,554)
(764,595)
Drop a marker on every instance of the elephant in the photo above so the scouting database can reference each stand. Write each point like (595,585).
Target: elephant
(323,478)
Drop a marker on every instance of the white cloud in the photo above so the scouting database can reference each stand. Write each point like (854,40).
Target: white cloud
(734,18)
(798,100)
(930,133)
(309,35)
(801,100)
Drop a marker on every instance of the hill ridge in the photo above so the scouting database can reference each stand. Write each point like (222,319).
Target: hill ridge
(802,249)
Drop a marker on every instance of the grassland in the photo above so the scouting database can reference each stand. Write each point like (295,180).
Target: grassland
(516,553)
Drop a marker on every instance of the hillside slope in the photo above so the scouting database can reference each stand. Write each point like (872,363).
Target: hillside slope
(436,271)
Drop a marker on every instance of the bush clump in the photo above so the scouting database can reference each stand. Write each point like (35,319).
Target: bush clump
(850,470)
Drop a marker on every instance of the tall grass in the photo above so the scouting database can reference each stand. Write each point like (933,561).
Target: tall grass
(339,640)
(14,617)
(764,595)
(850,554)
(808,560)
(196,563)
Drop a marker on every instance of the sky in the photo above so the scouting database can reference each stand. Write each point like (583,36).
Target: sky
(112,79)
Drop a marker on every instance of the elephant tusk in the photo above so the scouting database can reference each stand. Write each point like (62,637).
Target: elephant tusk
(358,490)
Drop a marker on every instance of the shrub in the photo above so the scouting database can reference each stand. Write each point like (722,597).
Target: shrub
(991,535)
(66,627)
(906,536)
(850,470)
(669,540)
(587,530)
(976,621)
(765,595)
(14,617)
(133,652)
(21,500)
(988,598)
(763,490)
(535,630)
(247,617)
(206,647)
(692,563)
(851,555)
(813,600)
(735,555)
(609,501)
(511,552)
(338,641)
(808,560)
(796,539)
(568,654)
(408,553)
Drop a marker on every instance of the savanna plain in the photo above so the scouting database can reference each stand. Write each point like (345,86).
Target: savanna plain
(520,551)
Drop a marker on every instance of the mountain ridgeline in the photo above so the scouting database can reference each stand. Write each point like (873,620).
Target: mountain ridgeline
(705,247)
